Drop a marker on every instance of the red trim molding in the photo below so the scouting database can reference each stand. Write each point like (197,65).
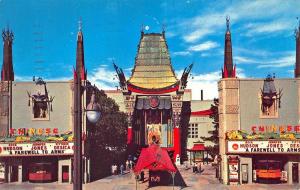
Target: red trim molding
(153,91)
(202,113)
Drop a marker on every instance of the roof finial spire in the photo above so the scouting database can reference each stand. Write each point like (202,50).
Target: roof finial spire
(227,22)
(163,28)
(298,24)
(297,30)
(80,24)
(142,28)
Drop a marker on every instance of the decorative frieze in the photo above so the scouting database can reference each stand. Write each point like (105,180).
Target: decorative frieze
(232,109)
(220,108)
(129,105)
(4,86)
(231,84)
(4,113)
(129,98)
(129,118)
(176,104)
(176,117)
(220,86)
(176,98)
(72,86)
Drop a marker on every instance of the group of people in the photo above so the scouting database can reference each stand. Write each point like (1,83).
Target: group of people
(115,170)
(129,164)
(197,167)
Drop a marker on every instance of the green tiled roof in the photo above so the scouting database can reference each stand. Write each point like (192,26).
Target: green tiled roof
(153,69)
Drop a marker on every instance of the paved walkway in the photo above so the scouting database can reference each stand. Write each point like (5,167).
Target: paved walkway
(204,181)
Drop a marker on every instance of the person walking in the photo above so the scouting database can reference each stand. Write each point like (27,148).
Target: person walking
(195,168)
(131,164)
(115,168)
(127,165)
(122,169)
(142,176)
(199,167)
(112,169)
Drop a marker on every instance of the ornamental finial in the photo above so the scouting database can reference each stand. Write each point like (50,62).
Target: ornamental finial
(227,22)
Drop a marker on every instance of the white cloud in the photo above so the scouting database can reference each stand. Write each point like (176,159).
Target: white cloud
(201,26)
(181,53)
(103,78)
(30,78)
(291,71)
(170,34)
(23,78)
(243,60)
(271,9)
(204,46)
(282,59)
(240,73)
(196,35)
(128,69)
(253,52)
(272,16)
(207,82)
(285,61)
(268,27)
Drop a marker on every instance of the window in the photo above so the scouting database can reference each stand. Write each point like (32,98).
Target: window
(268,106)
(193,130)
(40,110)
(40,106)
(269,99)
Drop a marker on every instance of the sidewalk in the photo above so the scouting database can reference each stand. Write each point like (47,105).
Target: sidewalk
(204,181)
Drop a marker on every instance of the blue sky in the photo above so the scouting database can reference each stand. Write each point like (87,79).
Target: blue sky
(45,37)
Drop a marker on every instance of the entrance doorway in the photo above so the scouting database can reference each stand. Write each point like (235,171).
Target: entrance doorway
(295,173)
(269,169)
(14,173)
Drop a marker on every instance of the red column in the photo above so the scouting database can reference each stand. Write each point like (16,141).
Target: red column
(129,135)
(177,143)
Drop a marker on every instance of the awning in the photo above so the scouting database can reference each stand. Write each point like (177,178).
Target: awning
(145,103)
(197,147)
(154,158)
(202,113)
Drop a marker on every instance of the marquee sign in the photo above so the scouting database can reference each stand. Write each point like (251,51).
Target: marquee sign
(33,131)
(36,148)
(275,128)
(263,147)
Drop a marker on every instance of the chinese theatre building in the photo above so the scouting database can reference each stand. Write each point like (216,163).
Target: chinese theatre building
(36,124)
(154,97)
(259,126)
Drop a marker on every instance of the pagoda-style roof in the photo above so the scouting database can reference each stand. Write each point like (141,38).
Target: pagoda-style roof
(153,72)
(153,69)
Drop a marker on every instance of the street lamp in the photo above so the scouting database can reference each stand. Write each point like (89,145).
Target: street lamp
(93,114)
(93,110)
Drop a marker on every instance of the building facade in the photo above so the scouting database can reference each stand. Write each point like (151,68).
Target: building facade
(153,97)
(36,124)
(199,122)
(259,130)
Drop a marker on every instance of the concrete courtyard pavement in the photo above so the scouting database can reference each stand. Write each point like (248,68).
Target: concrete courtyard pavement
(204,181)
